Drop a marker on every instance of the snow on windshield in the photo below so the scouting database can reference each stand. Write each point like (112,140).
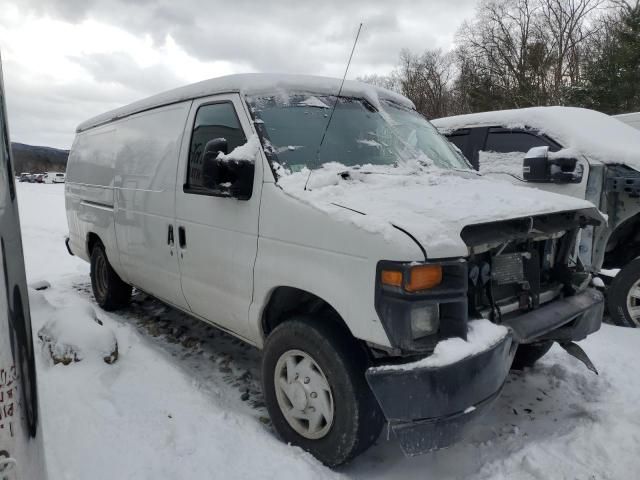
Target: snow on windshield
(359,133)
(313,102)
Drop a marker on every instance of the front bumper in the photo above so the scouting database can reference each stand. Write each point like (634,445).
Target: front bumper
(433,407)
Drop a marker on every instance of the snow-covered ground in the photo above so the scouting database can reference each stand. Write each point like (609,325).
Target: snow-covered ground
(183,400)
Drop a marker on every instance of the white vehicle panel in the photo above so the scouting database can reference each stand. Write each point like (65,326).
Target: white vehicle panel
(146,163)
(89,192)
(221,236)
(304,247)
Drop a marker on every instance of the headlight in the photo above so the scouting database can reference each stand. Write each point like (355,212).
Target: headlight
(425,320)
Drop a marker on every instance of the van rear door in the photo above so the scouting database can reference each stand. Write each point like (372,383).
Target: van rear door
(217,234)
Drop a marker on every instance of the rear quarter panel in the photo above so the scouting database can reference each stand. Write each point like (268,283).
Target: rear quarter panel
(89,192)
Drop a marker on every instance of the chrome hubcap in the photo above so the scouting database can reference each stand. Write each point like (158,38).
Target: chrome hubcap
(633,302)
(304,395)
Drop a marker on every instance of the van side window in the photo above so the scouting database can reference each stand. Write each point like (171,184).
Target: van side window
(214,122)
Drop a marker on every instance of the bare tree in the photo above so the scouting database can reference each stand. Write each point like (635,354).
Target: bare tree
(497,45)
(427,80)
(390,82)
(565,28)
(519,53)
(527,50)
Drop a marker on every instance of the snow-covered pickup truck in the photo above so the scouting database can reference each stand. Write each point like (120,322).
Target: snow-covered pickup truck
(631,119)
(21,444)
(576,152)
(381,275)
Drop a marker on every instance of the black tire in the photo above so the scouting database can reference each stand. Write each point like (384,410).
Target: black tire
(108,288)
(528,355)
(357,419)
(619,292)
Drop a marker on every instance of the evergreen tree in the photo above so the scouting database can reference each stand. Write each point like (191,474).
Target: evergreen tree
(612,69)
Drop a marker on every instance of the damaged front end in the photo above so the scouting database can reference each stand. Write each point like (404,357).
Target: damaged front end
(525,274)
(522,274)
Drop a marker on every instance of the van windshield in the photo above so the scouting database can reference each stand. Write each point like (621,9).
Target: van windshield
(359,134)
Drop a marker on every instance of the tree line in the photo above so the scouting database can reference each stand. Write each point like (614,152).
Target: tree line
(522,53)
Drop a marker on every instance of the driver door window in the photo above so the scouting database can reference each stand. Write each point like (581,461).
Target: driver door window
(215,124)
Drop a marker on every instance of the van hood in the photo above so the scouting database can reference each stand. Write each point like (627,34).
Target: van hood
(431,206)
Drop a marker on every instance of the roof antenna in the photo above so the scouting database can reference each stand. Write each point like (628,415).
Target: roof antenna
(333,109)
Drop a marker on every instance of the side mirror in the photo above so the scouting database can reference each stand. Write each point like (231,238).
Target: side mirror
(216,146)
(538,167)
(227,177)
(241,174)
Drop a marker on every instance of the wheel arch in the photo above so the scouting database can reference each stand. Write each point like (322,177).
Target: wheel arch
(623,244)
(285,301)
(92,240)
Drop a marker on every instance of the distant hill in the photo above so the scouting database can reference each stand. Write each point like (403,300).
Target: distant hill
(34,159)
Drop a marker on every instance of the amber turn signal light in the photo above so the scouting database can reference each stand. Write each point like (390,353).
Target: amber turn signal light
(391,278)
(424,277)
(421,277)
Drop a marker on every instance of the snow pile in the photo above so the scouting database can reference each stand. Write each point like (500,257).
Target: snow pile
(593,134)
(481,336)
(433,204)
(246,152)
(74,333)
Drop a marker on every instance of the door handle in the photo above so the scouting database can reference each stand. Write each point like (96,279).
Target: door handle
(170,238)
(182,237)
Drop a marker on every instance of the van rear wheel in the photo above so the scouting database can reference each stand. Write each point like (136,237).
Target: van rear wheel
(315,390)
(108,288)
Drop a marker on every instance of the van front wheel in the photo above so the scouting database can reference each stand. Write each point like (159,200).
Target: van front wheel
(108,288)
(315,390)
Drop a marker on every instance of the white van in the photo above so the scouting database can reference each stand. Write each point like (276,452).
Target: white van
(53,177)
(341,234)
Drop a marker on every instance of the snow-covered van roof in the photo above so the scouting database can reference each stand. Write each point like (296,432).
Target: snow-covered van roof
(593,134)
(251,83)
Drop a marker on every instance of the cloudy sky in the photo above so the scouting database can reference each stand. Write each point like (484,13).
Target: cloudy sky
(67,60)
